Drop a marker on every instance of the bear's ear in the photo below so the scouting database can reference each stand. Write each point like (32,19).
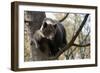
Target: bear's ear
(45,25)
(55,26)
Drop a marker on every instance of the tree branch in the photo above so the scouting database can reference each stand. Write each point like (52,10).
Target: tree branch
(73,39)
(64,17)
(79,45)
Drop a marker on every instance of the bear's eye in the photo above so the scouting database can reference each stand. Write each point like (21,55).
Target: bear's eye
(55,25)
(45,25)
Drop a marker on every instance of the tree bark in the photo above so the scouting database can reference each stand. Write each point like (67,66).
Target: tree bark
(34,21)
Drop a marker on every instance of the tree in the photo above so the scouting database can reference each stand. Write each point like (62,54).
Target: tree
(33,21)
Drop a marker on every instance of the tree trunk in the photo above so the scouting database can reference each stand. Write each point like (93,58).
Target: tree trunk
(33,20)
